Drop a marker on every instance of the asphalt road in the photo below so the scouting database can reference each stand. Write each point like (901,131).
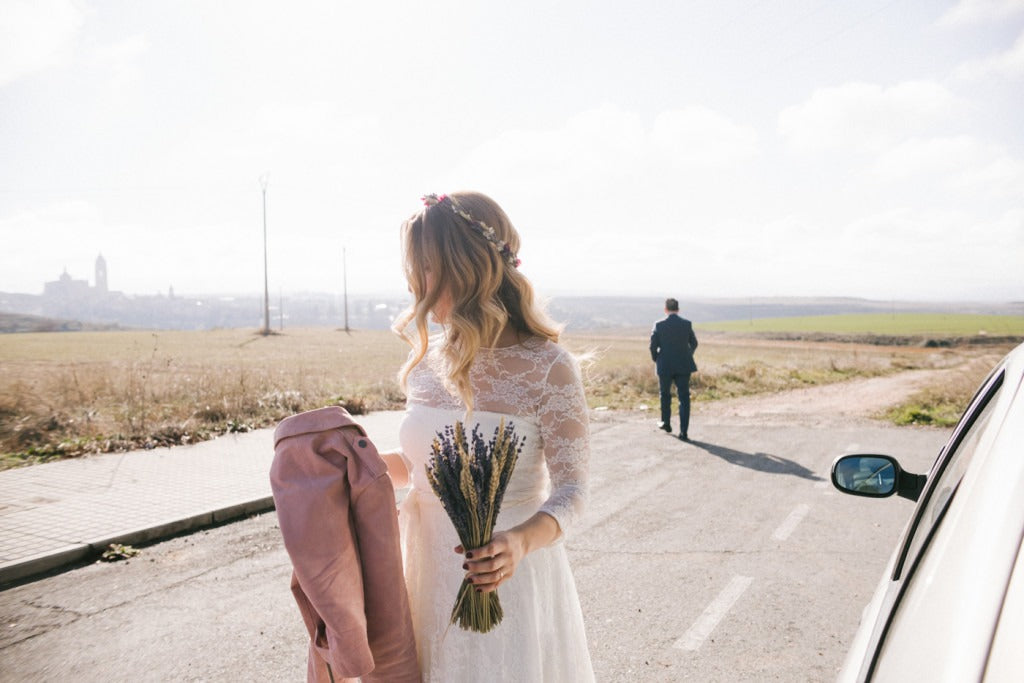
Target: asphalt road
(727,559)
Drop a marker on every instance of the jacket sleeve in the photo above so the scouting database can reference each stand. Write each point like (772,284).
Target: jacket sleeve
(389,620)
(312,494)
(655,343)
(693,340)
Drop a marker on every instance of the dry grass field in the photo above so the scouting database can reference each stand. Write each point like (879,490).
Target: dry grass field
(622,374)
(69,394)
(65,394)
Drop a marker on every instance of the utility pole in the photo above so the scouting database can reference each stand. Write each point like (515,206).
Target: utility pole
(266,281)
(344,284)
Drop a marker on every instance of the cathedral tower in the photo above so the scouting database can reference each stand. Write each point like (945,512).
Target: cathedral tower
(101,275)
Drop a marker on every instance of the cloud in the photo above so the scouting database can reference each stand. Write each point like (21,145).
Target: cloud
(64,227)
(1008,64)
(610,191)
(121,59)
(304,143)
(922,253)
(917,156)
(308,122)
(961,163)
(864,116)
(622,190)
(1000,177)
(193,258)
(604,173)
(908,252)
(34,35)
(601,141)
(610,150)
(909,235)
(700,136)
(976,11)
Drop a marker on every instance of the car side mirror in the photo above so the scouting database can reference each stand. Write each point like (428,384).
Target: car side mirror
(875,476)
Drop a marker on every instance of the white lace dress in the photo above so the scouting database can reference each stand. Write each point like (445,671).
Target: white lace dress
(536,387)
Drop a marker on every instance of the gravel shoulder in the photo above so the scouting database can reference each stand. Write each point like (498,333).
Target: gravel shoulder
(858,399)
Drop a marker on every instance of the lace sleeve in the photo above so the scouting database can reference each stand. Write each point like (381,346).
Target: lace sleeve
(566,435)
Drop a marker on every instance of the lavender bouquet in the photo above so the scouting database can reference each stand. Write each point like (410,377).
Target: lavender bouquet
(470,477)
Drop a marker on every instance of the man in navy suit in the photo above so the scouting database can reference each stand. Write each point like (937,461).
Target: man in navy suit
(672,347)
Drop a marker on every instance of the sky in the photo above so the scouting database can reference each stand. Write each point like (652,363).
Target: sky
(711,148)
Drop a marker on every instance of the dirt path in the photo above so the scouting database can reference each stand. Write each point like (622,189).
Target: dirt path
(859,399)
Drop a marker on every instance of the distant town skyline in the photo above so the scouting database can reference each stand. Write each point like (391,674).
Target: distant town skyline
(70,303)
(68,281)
(704,149)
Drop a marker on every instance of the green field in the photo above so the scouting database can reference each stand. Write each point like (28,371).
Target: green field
(898,324)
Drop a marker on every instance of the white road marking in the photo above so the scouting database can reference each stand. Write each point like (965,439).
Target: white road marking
(719,607)
(795,517)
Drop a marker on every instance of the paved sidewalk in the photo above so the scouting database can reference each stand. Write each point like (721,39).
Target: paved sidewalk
(64,512)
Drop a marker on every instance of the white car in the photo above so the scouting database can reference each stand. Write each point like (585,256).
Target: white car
(950,606)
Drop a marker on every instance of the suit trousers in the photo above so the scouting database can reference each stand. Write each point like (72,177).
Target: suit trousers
(682,383)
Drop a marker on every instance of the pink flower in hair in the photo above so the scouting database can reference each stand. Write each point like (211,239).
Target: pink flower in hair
(481,228)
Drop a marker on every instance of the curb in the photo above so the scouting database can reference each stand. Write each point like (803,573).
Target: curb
(28,567)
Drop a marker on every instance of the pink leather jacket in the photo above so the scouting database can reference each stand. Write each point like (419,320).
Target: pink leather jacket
(336,508)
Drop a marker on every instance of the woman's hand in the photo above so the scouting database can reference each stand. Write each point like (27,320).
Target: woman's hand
(491,565)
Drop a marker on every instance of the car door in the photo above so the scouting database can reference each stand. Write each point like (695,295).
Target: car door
(1005,660)
(914,621)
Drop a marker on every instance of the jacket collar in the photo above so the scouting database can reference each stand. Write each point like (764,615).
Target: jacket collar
(319,420)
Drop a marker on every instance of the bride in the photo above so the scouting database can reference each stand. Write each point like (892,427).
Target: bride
(497,357)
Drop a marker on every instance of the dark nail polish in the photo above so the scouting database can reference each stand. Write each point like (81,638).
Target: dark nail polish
(469,556)
(465,565)
(479,590)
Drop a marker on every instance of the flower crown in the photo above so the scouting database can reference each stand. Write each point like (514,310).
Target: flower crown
(481,228)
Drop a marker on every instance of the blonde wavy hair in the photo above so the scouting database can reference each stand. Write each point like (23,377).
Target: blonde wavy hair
(485,290)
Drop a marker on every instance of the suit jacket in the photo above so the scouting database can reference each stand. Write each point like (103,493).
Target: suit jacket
(672,345)
(336,509)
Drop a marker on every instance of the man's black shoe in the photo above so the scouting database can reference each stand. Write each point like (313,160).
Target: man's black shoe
(665,426)
(684,437)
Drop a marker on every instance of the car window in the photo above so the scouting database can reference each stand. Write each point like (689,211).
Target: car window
(939,492)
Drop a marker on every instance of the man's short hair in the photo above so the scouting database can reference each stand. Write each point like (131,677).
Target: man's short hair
(672,305)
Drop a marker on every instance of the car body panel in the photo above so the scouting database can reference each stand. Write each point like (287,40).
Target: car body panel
(1006,660)
(934,618)
(952,599)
